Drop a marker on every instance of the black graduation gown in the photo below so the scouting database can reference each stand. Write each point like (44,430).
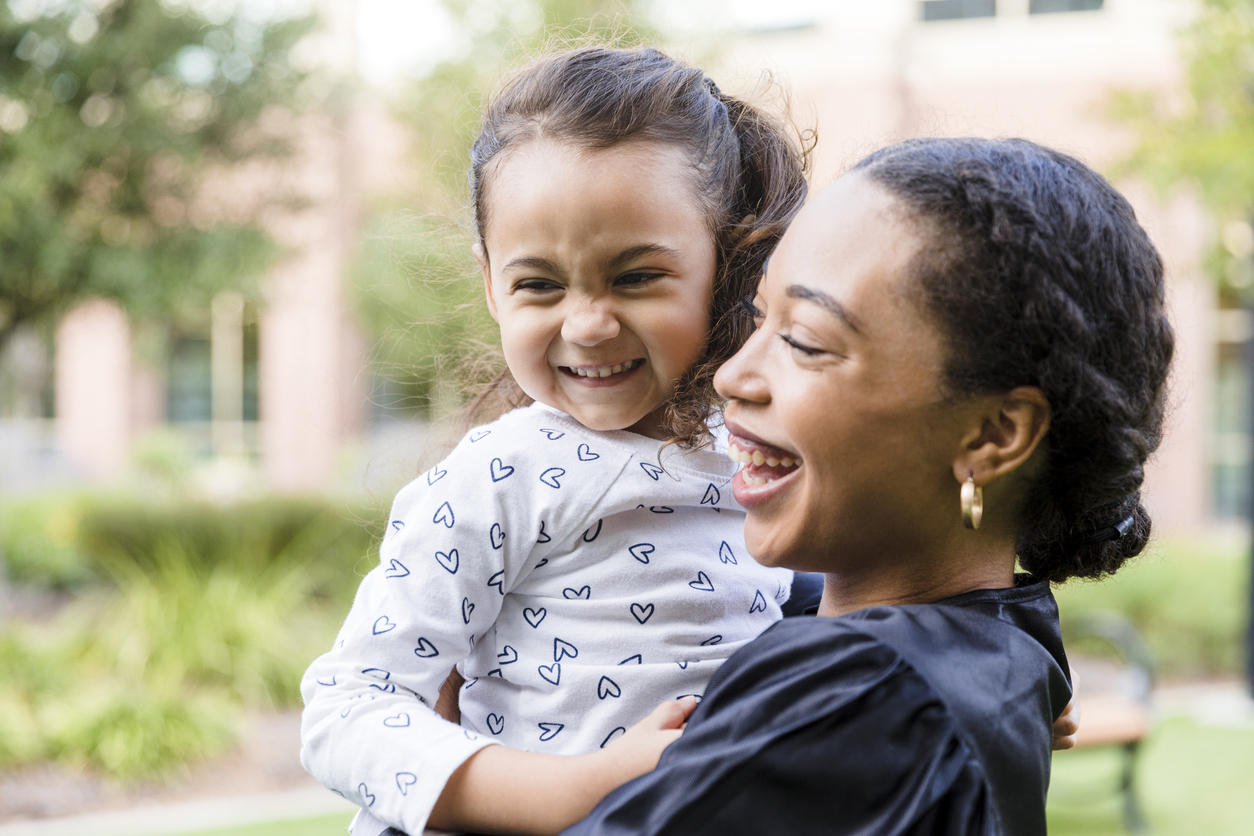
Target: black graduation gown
(922,719)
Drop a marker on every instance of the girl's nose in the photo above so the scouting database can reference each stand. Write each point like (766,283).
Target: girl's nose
(744,377)
(589,322)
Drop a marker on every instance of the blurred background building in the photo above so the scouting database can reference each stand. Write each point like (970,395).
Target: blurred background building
(238,309)
(282,390)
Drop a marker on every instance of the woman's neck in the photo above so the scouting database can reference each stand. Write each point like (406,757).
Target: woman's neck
(891,583)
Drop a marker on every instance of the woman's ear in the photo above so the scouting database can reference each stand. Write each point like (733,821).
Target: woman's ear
(1010,427)
(481,258)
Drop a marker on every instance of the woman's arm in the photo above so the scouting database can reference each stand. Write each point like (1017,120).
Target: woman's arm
(505,791)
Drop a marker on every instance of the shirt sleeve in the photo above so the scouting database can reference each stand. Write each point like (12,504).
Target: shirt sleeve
(459,538)
(841,737)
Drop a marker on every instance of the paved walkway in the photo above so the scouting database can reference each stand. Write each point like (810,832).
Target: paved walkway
(190,816)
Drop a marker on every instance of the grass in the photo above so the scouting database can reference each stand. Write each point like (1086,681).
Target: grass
(1192,780)
(335,825)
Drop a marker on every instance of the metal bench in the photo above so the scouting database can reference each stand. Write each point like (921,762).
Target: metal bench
(1113,695)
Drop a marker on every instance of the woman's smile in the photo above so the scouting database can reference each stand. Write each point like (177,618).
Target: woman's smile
(767,467)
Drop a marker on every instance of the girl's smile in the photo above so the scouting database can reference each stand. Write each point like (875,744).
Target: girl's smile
(599,267)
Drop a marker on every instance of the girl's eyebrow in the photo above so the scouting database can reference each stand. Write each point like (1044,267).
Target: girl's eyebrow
(533,262)
(632,253)
(827,303)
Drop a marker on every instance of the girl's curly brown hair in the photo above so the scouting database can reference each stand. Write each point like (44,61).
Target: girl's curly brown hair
(750,179)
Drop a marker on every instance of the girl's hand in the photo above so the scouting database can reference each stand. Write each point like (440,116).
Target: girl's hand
(1068,723)
(447,704)
(637,751)
(501,790)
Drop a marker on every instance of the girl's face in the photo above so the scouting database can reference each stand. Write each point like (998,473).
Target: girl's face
(843,374)
(599,268)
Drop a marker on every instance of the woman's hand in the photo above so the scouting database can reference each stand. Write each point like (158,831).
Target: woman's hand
(502,790)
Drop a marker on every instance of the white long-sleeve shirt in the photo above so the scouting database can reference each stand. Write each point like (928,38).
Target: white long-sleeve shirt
(574,581)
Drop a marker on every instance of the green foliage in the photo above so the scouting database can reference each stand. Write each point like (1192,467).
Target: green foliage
(63,541)
(39,543)
(246,626)
(422,295)
(111,116)
(1210,140)
(419,289)
(1186,600)
(196,611)
(134,733)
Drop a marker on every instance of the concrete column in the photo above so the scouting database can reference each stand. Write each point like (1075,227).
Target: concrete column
(1178,478)
(93,389)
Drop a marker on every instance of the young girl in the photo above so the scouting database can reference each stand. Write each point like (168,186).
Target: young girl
(580,559)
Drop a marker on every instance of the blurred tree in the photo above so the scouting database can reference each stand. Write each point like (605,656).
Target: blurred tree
(112,115)
(1208,140)
(419,291)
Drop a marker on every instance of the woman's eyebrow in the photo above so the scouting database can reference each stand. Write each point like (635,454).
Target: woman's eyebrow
(827,303)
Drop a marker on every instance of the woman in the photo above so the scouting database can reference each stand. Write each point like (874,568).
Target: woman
(962,346)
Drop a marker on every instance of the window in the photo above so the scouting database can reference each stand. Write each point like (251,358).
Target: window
(1047,7)
(188,387)
(957,9)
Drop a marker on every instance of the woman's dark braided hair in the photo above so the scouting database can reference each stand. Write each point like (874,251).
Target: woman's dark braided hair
(1039,275)
(748,174)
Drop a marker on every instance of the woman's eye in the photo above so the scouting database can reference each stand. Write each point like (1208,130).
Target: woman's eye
(804,349)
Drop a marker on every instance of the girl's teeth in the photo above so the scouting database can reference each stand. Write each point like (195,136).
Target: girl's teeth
(758,458)
(605,371)
(786,462)
(772,462)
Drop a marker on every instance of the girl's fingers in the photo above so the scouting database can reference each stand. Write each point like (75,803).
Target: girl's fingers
(673,714)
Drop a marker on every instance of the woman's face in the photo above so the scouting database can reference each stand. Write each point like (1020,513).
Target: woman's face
(842,377)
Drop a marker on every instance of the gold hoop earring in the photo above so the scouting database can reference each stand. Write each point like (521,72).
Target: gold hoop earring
(972,504)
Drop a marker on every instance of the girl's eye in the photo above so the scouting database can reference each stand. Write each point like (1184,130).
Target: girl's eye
(637,279)
(804,349)
(536,285)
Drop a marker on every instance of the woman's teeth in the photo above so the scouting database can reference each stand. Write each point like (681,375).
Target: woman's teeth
(605,371)
(757,463)
(756,458)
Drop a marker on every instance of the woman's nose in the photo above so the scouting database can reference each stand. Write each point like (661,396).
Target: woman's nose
(744,376)
(589,322)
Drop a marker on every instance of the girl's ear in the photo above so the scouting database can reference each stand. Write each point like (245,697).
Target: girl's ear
(481,256)
(1009,429)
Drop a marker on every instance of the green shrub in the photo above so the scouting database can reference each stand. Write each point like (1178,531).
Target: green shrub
(248,628)
(39,542)
(194,612)
(65,541)
(1188,600)
(129,733)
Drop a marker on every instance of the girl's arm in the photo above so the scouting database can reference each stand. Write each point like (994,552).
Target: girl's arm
(505,791)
